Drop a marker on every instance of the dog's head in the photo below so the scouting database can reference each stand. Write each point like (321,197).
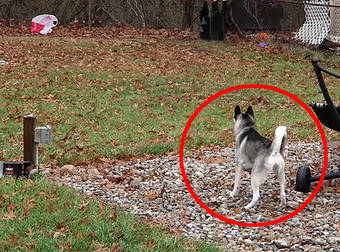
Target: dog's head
(241,120)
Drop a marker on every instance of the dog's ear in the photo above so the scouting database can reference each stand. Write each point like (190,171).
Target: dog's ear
(250,111)
(237,111)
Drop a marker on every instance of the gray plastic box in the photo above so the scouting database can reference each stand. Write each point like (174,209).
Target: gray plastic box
(43,135)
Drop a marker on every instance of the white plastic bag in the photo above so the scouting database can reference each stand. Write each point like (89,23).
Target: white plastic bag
(43,24)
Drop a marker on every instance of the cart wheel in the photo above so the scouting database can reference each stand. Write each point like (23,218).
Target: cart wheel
(303,179)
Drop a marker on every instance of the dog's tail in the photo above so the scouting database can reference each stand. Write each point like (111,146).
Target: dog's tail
(279,141)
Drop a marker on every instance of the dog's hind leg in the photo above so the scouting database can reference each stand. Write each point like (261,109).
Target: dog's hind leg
(256,195)
(256,181)
(282,180)
(237,180)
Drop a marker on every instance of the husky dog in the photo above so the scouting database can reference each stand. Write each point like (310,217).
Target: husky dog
(257,154)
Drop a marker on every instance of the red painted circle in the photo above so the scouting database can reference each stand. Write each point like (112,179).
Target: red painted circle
(240,87)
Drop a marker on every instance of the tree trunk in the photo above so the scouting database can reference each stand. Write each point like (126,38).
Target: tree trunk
(230,22)
(160,16)
(188,14)
(90,14)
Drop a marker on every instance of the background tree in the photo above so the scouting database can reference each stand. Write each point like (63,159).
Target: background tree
(181,14)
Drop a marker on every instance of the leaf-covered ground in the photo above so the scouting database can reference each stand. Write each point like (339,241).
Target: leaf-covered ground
(37,215)
(120,92)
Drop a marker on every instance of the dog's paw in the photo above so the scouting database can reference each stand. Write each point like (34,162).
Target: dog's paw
(250,205)
(233,193)
(283,202)
(283,199)
(247,207)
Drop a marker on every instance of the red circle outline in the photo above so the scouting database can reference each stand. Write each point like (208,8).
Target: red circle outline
(240,87)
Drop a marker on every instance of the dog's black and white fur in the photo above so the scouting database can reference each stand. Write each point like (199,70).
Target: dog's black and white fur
(257,154)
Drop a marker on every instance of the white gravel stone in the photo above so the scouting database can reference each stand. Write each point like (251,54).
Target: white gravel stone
(293,204)
(136,182)
(156,190)
(282,243)
(93,172)
(68,169)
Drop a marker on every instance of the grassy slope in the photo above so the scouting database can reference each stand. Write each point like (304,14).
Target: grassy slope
(37,215)
(122,97)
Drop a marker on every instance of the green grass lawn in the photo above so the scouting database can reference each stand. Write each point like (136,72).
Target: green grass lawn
(37,215)
(121,98)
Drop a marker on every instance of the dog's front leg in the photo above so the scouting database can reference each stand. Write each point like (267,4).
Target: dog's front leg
(257,179)
(237,180)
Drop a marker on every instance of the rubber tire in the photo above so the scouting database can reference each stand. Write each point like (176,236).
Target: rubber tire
(302,179)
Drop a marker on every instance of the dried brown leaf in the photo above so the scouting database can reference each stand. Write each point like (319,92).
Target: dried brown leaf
(238,210)
(116,247)
(83,206)
(85,221)
(9,216)
(14,239)
(151,195)
(113,216)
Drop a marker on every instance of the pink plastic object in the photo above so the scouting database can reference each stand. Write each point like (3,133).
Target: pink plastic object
(43,24)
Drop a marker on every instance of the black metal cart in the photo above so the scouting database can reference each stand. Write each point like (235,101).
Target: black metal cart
(329,115)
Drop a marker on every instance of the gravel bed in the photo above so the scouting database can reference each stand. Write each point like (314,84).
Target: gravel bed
(155,189)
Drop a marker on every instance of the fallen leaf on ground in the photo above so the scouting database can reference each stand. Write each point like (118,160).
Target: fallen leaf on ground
(238,210)
(83,206)
(116,247)
(9,216)
(113,216)
(151,195)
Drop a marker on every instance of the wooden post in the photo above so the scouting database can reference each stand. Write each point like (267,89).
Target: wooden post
(29,148)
